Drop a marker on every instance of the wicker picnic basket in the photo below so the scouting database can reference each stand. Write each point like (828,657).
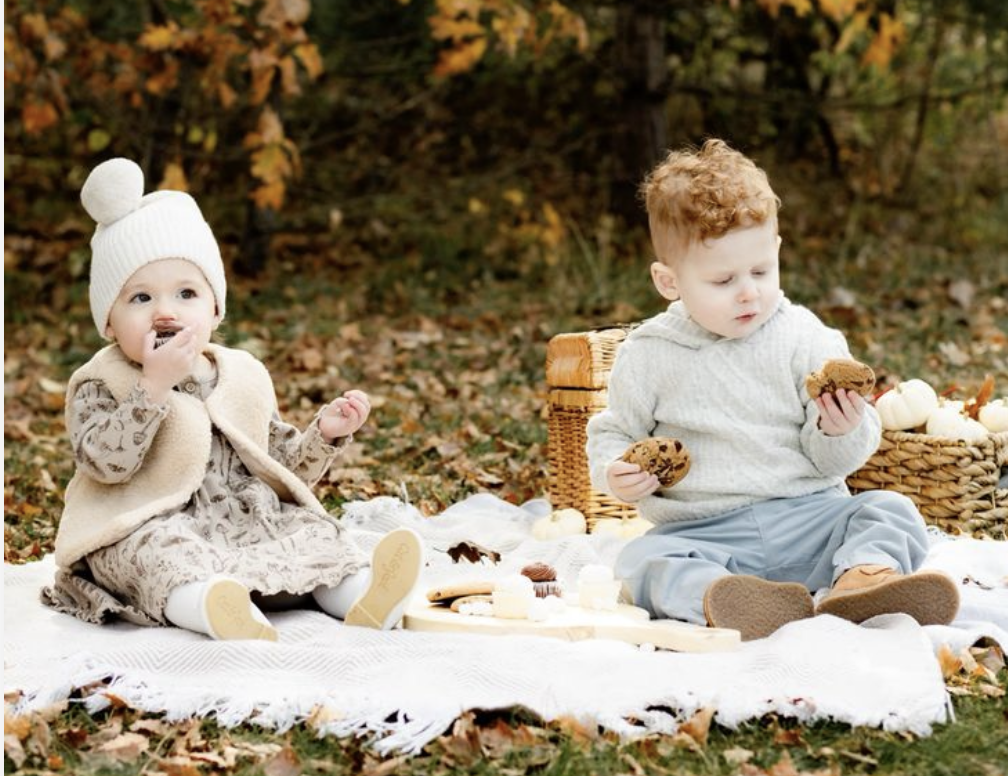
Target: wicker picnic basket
(953,483)
(577,373)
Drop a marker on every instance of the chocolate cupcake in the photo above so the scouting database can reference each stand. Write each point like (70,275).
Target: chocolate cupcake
(544,579)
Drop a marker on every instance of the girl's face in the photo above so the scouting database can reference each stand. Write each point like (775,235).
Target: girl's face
(164,297)
(730,285)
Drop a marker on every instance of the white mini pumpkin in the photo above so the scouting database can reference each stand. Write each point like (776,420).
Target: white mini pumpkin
(948,421)
(994,415)
(623,528)
(906,406)
(559,523)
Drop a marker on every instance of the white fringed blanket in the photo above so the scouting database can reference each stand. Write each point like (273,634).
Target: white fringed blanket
(404,688)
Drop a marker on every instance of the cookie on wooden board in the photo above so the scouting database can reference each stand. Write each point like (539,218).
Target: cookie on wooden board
(470,600)
(841,374)
(446,594)
(665,457)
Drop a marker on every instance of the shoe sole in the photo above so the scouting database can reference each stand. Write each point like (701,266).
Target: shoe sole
(931,598)
(228,609)
(395,570)
(755,607)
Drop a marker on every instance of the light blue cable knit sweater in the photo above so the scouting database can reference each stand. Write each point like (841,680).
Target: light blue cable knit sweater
(740,407)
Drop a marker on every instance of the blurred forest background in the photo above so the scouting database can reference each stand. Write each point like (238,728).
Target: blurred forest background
(413,195)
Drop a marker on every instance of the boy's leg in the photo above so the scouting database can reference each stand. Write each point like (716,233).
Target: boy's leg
(709,572)
(877,550)
(668,570)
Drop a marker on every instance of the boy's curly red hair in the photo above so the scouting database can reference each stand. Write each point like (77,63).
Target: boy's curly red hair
(694,195)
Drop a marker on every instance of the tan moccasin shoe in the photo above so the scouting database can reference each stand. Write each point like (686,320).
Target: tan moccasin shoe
(930,597)
(754,606)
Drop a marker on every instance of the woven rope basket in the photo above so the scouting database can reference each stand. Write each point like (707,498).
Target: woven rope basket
(953,483)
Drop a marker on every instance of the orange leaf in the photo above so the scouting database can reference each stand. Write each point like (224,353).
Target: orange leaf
(983,396)
(37,116)
(883,46)
(269,196)
(165,80)
(159,37)
(270,164)
(455,29)
(697,727)
(461,58)
(226,94)
(34,25)
(262,64)
(288,76)
(838,10)
(174,178)
(308,55)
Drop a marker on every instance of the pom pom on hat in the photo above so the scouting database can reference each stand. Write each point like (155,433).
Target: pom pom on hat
(134,230)
(112,190)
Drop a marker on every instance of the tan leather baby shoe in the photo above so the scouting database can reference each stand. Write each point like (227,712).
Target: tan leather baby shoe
(930,597)
(754,606)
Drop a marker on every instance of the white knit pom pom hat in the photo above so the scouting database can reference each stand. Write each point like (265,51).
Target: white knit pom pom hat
(134,230)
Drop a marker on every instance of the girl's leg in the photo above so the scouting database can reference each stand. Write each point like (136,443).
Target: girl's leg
(377,597)
(219,607)
(338,599)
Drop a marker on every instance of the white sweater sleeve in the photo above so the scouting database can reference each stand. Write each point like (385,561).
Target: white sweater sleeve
(834,456)
(628,418)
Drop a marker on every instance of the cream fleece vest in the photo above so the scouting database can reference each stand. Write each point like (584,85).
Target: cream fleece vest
(241,406)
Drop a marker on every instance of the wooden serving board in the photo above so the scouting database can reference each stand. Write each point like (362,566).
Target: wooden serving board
(626,623)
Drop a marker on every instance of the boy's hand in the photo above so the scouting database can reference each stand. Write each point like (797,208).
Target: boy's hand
(840,412)
(341,417)
(166,366)
(628,482)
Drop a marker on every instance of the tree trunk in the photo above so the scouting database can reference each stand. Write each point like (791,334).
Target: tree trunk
(639,130)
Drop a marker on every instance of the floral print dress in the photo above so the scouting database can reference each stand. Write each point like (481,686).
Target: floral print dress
(234,524)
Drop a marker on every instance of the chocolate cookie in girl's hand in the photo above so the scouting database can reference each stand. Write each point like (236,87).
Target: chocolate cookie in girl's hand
(841,374)
(665,457)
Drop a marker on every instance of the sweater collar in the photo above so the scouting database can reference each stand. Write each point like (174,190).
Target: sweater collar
(675,325)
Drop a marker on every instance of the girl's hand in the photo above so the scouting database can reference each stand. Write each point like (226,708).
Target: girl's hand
(840,412)
(343,416)
(166,366)
(628,482)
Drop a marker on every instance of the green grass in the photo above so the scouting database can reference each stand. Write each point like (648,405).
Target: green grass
(516,742)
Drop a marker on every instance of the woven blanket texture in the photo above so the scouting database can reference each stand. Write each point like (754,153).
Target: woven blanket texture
(401,689)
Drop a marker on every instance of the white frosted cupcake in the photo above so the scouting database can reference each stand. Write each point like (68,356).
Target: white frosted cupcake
(512,597)
(597,589)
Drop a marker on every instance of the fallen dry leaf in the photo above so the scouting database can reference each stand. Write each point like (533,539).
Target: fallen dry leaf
(384,767)
(178,765)
(125,747)
(500,738)
(697,727)
(737,755)
(283,763)
(950,664)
